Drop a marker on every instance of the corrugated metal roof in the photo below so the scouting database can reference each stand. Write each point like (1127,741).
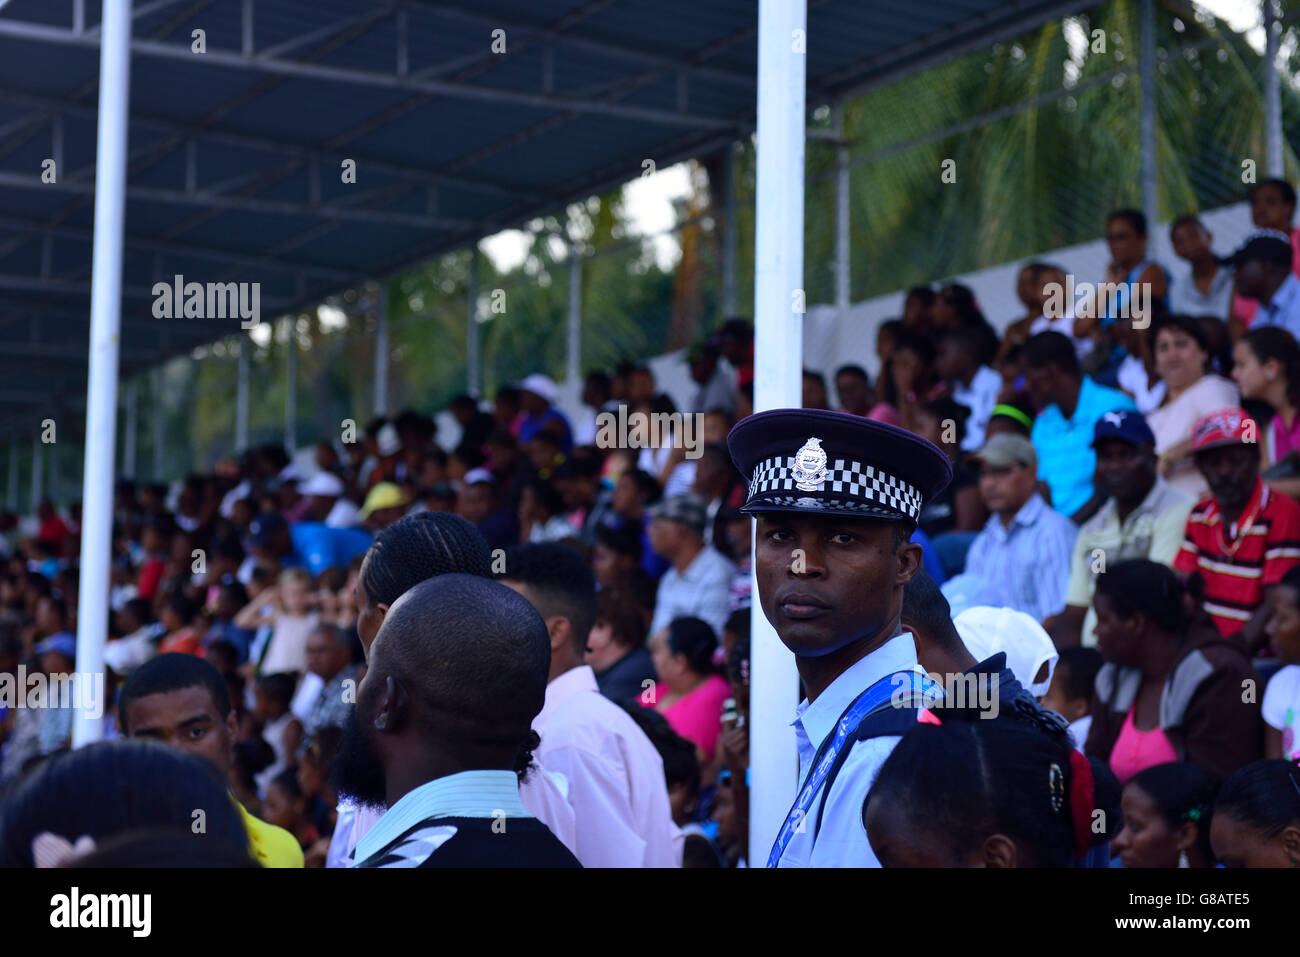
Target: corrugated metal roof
(234,162)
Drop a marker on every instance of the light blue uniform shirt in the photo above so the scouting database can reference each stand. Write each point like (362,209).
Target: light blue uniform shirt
(467,794)
(1283,309)
(842,840)
(1066,459)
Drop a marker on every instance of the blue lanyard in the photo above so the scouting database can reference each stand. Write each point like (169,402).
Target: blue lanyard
(888,692)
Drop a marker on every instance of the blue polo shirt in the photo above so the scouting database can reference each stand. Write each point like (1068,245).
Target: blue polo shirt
(1066,461)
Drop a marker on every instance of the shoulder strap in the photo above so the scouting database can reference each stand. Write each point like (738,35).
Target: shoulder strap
(878,724)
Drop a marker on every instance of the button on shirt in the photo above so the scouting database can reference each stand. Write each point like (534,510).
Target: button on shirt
(1066,460)
(1153,530)
(1283,309)
(702,591)
(1025,566)
(842,840)
(615,776)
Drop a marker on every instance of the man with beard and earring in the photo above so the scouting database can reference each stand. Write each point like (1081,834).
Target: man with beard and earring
(456,675)
(836,498)
(410,551)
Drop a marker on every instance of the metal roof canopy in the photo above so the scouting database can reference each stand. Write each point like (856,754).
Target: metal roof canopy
(235,154)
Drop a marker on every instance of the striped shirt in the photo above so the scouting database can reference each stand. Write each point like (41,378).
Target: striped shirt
(1025,566)
(1237,569)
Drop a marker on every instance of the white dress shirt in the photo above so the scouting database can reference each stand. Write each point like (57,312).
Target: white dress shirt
(842,840)
(702,591)
(615,776)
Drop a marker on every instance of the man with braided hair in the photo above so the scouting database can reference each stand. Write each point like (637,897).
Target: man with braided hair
(412,550)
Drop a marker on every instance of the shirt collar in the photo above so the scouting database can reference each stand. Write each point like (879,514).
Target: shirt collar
(818,717)
(563,687)
(1284,295)
(466,794)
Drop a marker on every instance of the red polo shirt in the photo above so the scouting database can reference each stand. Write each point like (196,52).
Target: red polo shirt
(1238,567)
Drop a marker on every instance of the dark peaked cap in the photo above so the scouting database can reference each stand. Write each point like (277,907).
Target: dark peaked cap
(833,463)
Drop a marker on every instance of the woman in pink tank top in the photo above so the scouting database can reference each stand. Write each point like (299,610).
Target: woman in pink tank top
(690,692)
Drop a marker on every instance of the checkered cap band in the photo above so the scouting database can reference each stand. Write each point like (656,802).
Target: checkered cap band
(847,481)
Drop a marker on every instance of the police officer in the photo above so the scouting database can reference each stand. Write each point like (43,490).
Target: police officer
(836,498)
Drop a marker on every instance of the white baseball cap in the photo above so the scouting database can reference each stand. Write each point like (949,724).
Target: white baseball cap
(325,484)
(540,385)
(985,631)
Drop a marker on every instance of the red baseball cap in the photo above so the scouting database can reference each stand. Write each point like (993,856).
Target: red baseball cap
(1224,427)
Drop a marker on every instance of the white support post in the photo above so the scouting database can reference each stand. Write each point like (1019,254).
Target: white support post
(291,387)
(472,360)
(778,361)
(381,349)
(105,331)
(841,214)
(1272,91)
(128,440)
(241,393)
(1147,75)
(729,231)
(574,364)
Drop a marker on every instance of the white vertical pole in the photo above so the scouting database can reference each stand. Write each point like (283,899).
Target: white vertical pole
(38,479)
(574,363)
(241,393)
(472,378)
(1147,74)
(128,441)
(1272,91)
(728,232)
(381,349)
(101,389)
(841,214)
(291,388)
(778,361)
(158,425)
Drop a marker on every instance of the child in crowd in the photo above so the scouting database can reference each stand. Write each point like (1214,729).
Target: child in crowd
(1257,816)
(1166,817)
(281,729)
(289,609)
(1070,693)
(1281,705)
(178,617)
(286,807)
(970,793)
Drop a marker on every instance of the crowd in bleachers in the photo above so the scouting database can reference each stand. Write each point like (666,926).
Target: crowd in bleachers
(1126,470)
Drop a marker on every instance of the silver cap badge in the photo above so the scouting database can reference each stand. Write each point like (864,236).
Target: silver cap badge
(809,471)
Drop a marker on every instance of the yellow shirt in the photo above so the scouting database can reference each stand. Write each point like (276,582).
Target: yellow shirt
(272,846)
